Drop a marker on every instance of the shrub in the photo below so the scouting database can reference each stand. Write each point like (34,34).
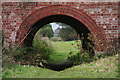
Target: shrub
(42,48)
(21,55)
(40,51)
(80,57)
(86,52)
(84,55)
(46,31)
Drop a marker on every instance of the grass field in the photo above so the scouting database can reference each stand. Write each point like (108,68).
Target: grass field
(103,68)
(62,50)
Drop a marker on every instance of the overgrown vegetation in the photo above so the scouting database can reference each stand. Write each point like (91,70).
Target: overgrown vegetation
(66,31)
(46,31)
(84,55)
(48,49)
(103,68)
(42,47)
(40,52)
(1,41)
(62,49)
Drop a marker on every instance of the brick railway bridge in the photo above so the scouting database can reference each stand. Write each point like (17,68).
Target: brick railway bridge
(21,21)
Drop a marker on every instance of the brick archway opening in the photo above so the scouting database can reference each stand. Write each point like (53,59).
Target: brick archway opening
(80,28)
(80,21)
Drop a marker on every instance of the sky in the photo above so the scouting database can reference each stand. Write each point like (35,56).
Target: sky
(55,26)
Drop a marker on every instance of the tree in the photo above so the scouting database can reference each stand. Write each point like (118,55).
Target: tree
(46,31)
(66,32)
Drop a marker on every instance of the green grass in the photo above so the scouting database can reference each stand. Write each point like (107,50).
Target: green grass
(62,50)
(103,68)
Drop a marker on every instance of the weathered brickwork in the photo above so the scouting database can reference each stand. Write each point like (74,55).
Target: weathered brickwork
(101,18)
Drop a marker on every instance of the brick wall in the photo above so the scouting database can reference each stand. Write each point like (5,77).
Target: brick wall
(104,14)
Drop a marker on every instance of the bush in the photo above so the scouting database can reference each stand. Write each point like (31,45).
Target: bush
(80,57)
(46,31)
(56,39)
(21,55)
(85,54)
(42,48)
(40,52)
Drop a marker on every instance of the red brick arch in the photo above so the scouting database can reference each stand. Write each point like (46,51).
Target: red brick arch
(61,10)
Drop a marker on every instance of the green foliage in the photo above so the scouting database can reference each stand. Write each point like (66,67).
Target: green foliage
(83,55)
(42,48)
(21,55)
(79,58)
(103,68)
(68,33)
(56,39)
(40,51)
(16,53)
(46,31)
(62,50)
